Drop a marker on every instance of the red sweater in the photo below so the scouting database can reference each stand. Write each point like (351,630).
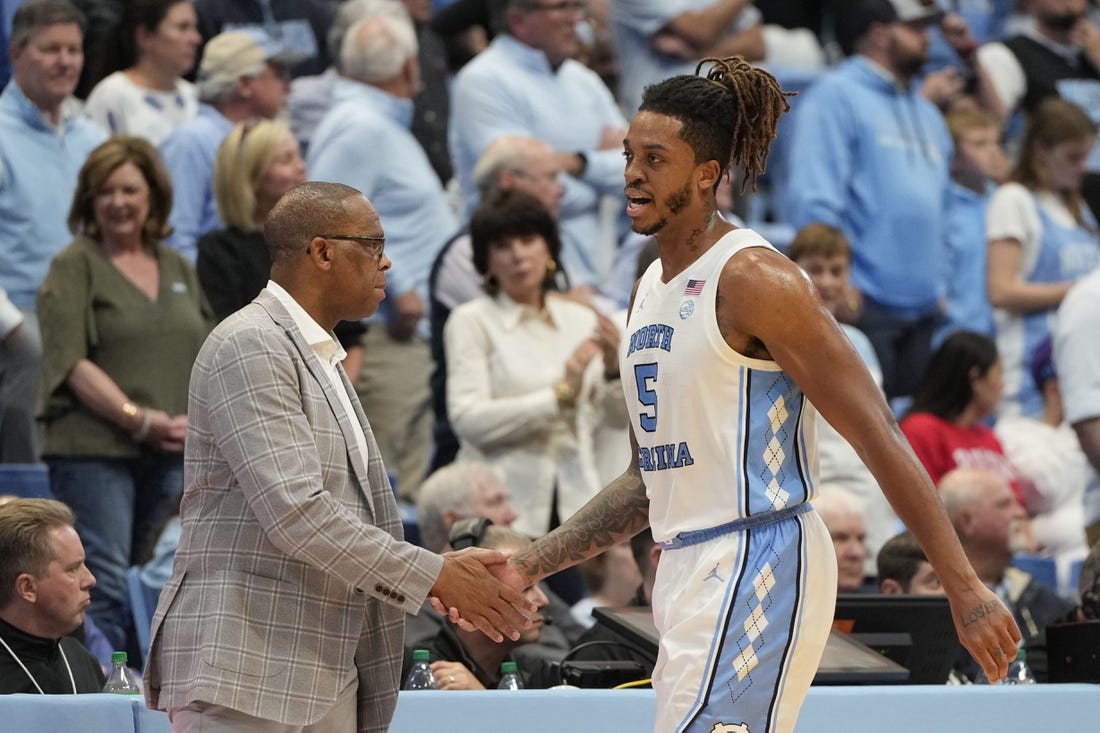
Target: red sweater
(941,446)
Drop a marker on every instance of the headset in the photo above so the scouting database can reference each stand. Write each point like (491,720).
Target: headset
(468,532)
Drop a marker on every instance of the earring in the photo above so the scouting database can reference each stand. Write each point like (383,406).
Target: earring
(489,282)
(551,268)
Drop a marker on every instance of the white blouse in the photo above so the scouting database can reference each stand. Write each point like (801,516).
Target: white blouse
(503,360)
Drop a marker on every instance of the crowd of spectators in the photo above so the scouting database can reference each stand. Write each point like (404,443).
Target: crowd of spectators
(937,178)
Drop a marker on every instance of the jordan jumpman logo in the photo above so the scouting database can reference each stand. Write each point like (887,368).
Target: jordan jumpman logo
(714,574)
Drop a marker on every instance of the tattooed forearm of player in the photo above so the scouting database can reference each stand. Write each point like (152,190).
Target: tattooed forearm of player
(617,513)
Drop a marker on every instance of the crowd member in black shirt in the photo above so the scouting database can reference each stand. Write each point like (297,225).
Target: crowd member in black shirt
(44,591)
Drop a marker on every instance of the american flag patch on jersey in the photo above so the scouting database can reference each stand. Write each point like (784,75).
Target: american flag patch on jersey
(694,287)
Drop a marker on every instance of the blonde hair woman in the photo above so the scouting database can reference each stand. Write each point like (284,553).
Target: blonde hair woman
(256,164)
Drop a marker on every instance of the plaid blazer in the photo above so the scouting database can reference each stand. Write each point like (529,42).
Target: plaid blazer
(291,576)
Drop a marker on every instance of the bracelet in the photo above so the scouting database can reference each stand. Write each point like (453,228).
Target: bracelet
(565,393)
(146,422)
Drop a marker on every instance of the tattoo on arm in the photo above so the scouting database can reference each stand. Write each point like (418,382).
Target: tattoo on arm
(617,513)
(980,612)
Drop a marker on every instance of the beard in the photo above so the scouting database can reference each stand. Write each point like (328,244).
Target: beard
(907,63)
(675,203)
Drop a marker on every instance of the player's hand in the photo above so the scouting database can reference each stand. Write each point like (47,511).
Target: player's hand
(986,629)
(466,590)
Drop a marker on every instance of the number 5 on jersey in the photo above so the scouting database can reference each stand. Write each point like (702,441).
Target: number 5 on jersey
(645,378)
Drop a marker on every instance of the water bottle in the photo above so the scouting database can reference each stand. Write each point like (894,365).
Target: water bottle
(121,681)
(509,678)
(1018,672)
(420,676)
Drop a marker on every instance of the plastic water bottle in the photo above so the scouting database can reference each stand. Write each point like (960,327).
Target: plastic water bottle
(1018,672)
(121,681)
(509,678)
(420,676)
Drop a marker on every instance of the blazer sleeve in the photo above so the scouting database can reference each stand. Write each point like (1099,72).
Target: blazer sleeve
(258,414)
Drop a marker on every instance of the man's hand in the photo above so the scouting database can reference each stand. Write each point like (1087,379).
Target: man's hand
(956,32)
(1087,36)
(468,593)
(408,310)
(943,87)
(986,629)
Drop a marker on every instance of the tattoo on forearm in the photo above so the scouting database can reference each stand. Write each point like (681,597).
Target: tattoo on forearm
(980,612)
(619,511)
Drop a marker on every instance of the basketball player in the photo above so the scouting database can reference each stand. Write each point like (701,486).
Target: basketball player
(728,351)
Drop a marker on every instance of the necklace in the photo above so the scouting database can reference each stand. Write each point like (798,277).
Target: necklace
(28,672)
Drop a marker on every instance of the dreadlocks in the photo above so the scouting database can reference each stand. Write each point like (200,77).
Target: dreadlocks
(730,114)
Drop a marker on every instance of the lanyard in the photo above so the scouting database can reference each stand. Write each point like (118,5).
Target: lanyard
(33,680)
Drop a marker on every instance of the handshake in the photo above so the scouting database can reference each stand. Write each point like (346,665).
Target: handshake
(481,589)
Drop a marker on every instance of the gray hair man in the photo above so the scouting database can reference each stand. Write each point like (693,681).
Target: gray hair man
(241,75)
(44,142)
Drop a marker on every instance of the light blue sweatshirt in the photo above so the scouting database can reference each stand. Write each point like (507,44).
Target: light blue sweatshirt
(872,159)
(38,171)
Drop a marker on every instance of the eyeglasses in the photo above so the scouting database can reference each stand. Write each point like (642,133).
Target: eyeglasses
(373,245)
(562,6)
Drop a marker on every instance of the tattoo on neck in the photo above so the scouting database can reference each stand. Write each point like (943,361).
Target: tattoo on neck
(695,238)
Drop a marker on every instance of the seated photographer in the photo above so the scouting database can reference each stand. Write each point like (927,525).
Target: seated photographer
(469,660)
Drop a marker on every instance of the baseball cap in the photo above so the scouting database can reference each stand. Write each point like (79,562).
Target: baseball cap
(855,20)
(232,53)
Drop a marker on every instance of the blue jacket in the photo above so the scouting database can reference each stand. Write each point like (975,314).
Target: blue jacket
(872,159)
(38,171)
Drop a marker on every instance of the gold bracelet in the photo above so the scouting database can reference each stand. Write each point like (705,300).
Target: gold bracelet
(565,393)
(129,409)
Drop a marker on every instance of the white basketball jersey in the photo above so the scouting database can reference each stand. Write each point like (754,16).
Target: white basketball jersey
(720,436)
